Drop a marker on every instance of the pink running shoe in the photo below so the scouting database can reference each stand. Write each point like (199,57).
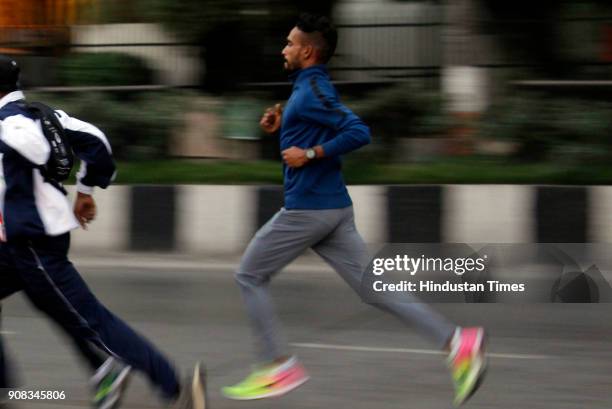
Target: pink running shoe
(467,362)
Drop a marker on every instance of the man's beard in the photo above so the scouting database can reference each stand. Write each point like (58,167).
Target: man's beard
(289,68)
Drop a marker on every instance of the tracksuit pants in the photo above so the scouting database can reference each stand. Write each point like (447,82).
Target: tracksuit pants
(332,234)
(40,267)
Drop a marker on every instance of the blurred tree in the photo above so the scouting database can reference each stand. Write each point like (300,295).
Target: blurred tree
(113,11)
(402,111)
(241,40)
(546,127)
(106,68)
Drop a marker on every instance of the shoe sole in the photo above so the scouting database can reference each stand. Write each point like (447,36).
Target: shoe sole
(199,395)
(479,375)
(272,394)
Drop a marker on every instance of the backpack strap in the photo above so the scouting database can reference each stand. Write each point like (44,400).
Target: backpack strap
(61,159)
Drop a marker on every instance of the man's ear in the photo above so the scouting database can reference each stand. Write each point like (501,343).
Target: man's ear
(308,51)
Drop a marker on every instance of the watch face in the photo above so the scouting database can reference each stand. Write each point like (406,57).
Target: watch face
(310,154)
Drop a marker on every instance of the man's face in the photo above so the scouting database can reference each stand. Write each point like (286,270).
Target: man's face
(293,52)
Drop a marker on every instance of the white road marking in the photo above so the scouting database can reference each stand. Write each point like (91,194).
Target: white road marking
(409,351)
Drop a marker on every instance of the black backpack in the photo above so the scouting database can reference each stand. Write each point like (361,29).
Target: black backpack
(61,160)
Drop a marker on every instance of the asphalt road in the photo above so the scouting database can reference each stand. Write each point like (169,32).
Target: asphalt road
(549,356)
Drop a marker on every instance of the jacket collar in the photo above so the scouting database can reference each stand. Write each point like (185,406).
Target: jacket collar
(11,97)
(307,72)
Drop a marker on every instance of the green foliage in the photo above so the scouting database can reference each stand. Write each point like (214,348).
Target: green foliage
(552,128)
(469,170)
(396,112)
(80,69)
(138,128)
(402,111)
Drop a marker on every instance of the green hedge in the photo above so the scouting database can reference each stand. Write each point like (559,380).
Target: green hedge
(552,128)
(138,128)
(454,170)
(81,69)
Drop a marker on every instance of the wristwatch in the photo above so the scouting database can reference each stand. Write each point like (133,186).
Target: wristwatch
(311,154)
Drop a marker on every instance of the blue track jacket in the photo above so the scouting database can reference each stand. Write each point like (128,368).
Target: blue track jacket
(314,116)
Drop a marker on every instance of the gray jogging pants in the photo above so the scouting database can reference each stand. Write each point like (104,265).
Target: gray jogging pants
(332,235)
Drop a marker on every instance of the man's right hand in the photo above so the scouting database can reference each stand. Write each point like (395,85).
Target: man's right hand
(271,120)
(84,209)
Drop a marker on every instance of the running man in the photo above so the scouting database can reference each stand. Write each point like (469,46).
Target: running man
(37,220)
(315,130)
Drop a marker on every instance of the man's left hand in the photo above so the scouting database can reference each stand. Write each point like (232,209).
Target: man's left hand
(294,157)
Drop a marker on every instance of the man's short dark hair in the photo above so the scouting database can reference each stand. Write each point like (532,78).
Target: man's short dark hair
(313,23)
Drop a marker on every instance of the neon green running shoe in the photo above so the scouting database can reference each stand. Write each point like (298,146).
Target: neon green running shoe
(269,381)
(109,383)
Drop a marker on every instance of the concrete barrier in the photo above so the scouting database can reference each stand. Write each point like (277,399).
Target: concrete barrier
(220,220)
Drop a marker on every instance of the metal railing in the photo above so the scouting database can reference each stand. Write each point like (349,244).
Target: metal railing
(375,51)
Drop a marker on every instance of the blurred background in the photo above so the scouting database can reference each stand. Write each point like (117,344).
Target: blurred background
(454,91)
(476,108)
